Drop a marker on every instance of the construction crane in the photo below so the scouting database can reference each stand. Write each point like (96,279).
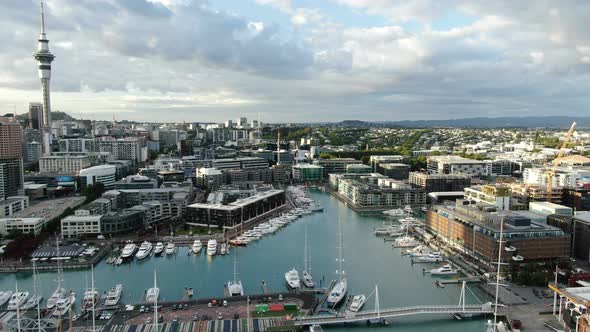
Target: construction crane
(557,161)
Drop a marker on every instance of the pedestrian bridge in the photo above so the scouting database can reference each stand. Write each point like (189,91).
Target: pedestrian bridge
(350,317)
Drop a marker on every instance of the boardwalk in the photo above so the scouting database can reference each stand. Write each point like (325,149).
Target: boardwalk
(350,317)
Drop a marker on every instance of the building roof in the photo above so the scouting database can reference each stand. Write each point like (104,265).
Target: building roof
(575,160)
(209,171)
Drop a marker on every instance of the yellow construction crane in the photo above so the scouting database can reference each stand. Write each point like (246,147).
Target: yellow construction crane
(556,161)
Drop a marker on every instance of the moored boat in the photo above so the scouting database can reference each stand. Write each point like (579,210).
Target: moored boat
(158,248)
(114,295)
(197,245)
(443,270)
(292,279)
(17,300)
(211,247)
(144,250)
(357,302)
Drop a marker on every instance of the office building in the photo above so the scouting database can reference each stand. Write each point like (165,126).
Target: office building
(210,178)
(439,182)
(375,161)
(370,192)
(33,151)
(136,182)
(335,165)
(456,165)
(495,195)
(121,222)
(307,173)
(123,149)
(578,227)
(358,169)
(394,170)
(35,116)
(13,204)
(578,198)
(11,158)
(21,225)
(63,165)
(105,174)
(81,223)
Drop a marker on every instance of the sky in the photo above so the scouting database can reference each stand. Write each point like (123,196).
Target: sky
(300,60)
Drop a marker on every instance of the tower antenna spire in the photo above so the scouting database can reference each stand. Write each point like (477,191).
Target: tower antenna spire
(42,19)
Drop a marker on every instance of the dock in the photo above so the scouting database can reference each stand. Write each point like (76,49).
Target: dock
(321,303)
(458,281)
(264,286)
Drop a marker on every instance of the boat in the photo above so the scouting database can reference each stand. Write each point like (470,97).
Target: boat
(338,292)
(113,296)
(292,279)
(315,328)
(443,270)
(306,275)
(406,242)
(433,257)
(518,258)
(211,247)
(394,212)
(152,295)
(90,299)
(197,245)
(59,293)
(170,248)
(144,250)
(32,302)
(408,209)
(17,300)
(129,250)
(119,261)
(4,297)
(510,248)
(189,291)
(62,306)
(223,248)
(234,287)
(357,302)
(158,248)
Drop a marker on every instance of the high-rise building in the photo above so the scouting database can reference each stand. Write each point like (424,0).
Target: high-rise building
(11,158)
(35,115)
(44,59)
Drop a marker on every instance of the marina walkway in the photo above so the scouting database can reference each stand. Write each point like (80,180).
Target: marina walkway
(350,317)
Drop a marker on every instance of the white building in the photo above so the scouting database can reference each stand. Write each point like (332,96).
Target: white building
(22,225)
(565,177)
(210,178)
(456,165)
(123,149)
(80,224)
(63,164)
(12,205)
(104,174)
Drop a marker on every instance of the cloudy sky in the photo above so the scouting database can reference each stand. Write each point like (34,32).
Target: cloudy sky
(300,60)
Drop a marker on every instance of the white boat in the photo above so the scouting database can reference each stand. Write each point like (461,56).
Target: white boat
(406,242)
(197,245)
(58,294)
(357,302)
(518,258)
(292,279)
(32,302)
(223,249)
(510,248)
(152,295)
(114,295)
(443,270)
(158,248)
(212,247)
(90,299)
(129,250)
(144,250)
(306,275)
(170,248)
(315,328)
(4,297)
(62,306)
(433,257)
(338,292)
(119,261)
(394,213)
(307,279)
(17,300)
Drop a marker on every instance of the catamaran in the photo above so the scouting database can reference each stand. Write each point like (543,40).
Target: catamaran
(212,247)
(235,287)
(306,275)
(338,292)
(144,250)
(114,295)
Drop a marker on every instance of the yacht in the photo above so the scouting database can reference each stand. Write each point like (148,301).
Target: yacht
(517,258)
(235,288)
(62,306)
(4,297)
(394,213)
(406,242)
(338,292)
(158,248)
(197,245)
(129,250)
(58,294)
(292,279)
(307,279)
(315,328)
(433,257)
(170,248)
(223,249)
(32,302)
(114,295)
(17,300)
(144,250)
(212,247)
(443,270)
(357,302)
(152,295)
(90,299)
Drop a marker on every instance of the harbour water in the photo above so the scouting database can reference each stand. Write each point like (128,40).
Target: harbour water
(369,261)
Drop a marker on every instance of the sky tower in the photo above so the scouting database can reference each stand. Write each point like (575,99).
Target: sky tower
(44,59)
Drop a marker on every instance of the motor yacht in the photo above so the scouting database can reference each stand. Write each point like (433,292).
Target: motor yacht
(152,295)
(170,248)
(129,250)
(58,294)
(32,302)
(212,247)
(307,279)
(114,295)
(158,248)
(357,302)
(443,270)
(144,250)
(17,300)
(197,245)
(292,279)
(90,299)
(433,257)
(4,297)
(62,306)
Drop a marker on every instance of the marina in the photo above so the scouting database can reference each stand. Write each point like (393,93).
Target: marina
(401,284)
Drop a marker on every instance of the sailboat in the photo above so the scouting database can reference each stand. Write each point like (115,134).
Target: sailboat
(59,293)
(156,303)
(35,300)
(235,288)
(338,292)
(153,293)
(306,275)
(91,296)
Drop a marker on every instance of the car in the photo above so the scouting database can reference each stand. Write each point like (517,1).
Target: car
(219,315)
(225,303)
(160,319)
(280,297)
(209,305)
(174,307)
(196,316)
(142,308)
(236,316)
(185,305)
(175,320)
(148,321)
(147,309)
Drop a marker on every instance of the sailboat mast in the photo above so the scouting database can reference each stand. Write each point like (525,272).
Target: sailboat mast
(35,284)
(340,249)
(93,303)
(155,305)
(17,311)
(235,265)
(58,264)
(498,272)
(305,251)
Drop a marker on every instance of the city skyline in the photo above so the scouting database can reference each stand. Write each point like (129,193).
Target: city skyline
(298,60)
